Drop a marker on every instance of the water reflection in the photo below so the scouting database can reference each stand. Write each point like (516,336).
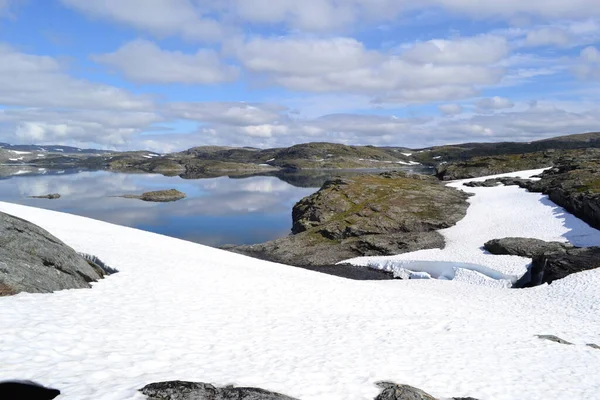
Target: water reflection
(217,211)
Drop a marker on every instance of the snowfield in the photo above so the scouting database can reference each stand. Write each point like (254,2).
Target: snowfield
(494,213)
(180,310)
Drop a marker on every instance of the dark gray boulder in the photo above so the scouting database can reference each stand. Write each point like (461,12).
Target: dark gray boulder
(13,390)
(393,391)
(593,346)
(181,390)
(32,260)
(549,267)
(524,247)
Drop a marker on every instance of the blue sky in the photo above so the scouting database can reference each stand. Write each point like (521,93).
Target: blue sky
(165,75)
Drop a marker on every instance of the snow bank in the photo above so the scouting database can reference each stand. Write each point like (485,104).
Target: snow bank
(179,310)
(496,212)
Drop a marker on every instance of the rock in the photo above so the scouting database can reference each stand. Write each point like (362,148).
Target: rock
(549,267)
(574,184)
(180,390)
(593,346)
(524,247)
(365,215)
(13,390)
(32,260)
(159,196)
(499,181)
(52,196)
(392,391)
(553,338)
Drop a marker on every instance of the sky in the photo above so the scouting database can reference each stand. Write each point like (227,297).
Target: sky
(165,75)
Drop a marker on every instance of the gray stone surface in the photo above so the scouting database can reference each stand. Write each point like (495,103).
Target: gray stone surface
(158,196)
(553,338)
(32,260)
(524,247)
(365,215)
(549,267)
(392,391)
(180,390)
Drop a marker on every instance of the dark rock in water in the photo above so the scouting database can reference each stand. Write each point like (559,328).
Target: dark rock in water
(32,260)
(524,247)
(549,267)
(392,391)
(553,338)
(17,390)
(593,346)
(365,215)
(180,390)
(52,196)
(159,196)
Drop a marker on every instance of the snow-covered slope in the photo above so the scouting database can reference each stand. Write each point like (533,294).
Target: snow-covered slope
(494,213)
(179,310)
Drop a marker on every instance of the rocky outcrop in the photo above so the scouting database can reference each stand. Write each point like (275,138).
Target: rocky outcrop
(32,260)
(499,181)
(180,390)
(525,247)
(158,196)
(52,196)
(393,391)
(550,267)
(574,183)
(493,165)
(366,215)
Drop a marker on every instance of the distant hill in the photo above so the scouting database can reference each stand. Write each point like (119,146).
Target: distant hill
(51,149)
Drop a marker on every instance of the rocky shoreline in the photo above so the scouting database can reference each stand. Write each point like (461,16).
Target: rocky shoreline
(384,214)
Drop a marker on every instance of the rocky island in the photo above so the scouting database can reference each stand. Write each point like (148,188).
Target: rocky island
(384,214)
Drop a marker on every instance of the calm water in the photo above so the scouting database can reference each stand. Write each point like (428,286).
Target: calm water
(216,211)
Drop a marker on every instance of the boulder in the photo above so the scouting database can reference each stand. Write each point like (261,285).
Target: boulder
(32,260)
(393,391)
(180,390)
(499,181)
(553,338)
(550,267)
(13,390)
(525,247)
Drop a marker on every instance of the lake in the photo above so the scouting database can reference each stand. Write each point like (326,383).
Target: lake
(217,211)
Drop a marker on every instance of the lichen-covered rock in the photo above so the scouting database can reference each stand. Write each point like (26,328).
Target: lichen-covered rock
(180,390)
(32,260)
(366,215)
(158,196)
(392,391)
(525,247)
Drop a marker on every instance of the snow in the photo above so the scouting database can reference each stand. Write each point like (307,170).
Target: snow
(407,154)
(15,159)
(180,310)
(437,157)
(150,155)
(494,213)
(20,152)
(408,163)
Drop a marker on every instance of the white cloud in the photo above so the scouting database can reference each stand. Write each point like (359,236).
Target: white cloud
(450,109)
(159,17)
(143,61)
(33,80)
(588,64)
(495,103)
(484,49)
(548,36)
(345,65)
(231,113)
